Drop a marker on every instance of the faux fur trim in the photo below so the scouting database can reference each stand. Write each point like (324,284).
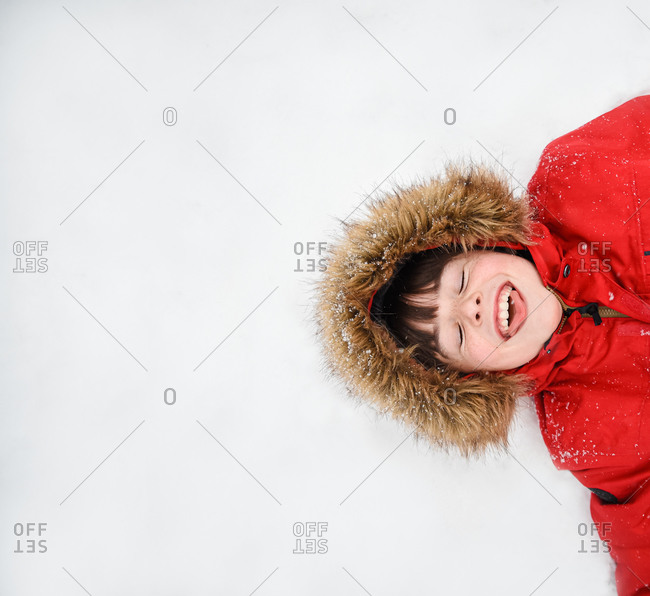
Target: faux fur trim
(468,205)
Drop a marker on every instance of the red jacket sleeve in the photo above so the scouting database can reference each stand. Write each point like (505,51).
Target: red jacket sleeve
(586,174)
(624,525)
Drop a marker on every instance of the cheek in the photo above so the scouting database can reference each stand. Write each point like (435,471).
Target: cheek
(485,349)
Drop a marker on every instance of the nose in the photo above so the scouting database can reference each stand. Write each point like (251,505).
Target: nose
(472,310)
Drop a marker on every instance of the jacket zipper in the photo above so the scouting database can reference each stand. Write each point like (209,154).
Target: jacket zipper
(603,311)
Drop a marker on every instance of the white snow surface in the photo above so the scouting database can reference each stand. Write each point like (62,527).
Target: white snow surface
(172,265)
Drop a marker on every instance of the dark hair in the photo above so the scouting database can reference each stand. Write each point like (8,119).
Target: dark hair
(416,275)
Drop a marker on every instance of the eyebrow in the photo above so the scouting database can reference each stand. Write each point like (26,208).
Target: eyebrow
(436,328)
(443,353)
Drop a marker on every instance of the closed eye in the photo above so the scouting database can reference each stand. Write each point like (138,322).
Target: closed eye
(460,330)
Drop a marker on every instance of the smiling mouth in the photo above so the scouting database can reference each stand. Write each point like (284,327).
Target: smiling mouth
(509,311)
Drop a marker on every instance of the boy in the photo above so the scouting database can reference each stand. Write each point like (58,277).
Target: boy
(452,299)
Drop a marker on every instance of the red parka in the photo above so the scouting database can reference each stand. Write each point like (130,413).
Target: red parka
(592,377)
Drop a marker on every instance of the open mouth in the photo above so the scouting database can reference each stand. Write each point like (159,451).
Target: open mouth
(509,311)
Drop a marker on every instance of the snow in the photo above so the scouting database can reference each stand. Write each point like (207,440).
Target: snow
(175,250)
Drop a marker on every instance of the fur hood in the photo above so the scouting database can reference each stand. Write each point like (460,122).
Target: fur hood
(469,205)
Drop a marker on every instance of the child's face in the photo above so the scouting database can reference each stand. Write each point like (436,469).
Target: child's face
(474,313)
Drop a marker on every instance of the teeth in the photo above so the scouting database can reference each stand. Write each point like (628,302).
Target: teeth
(504,315)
